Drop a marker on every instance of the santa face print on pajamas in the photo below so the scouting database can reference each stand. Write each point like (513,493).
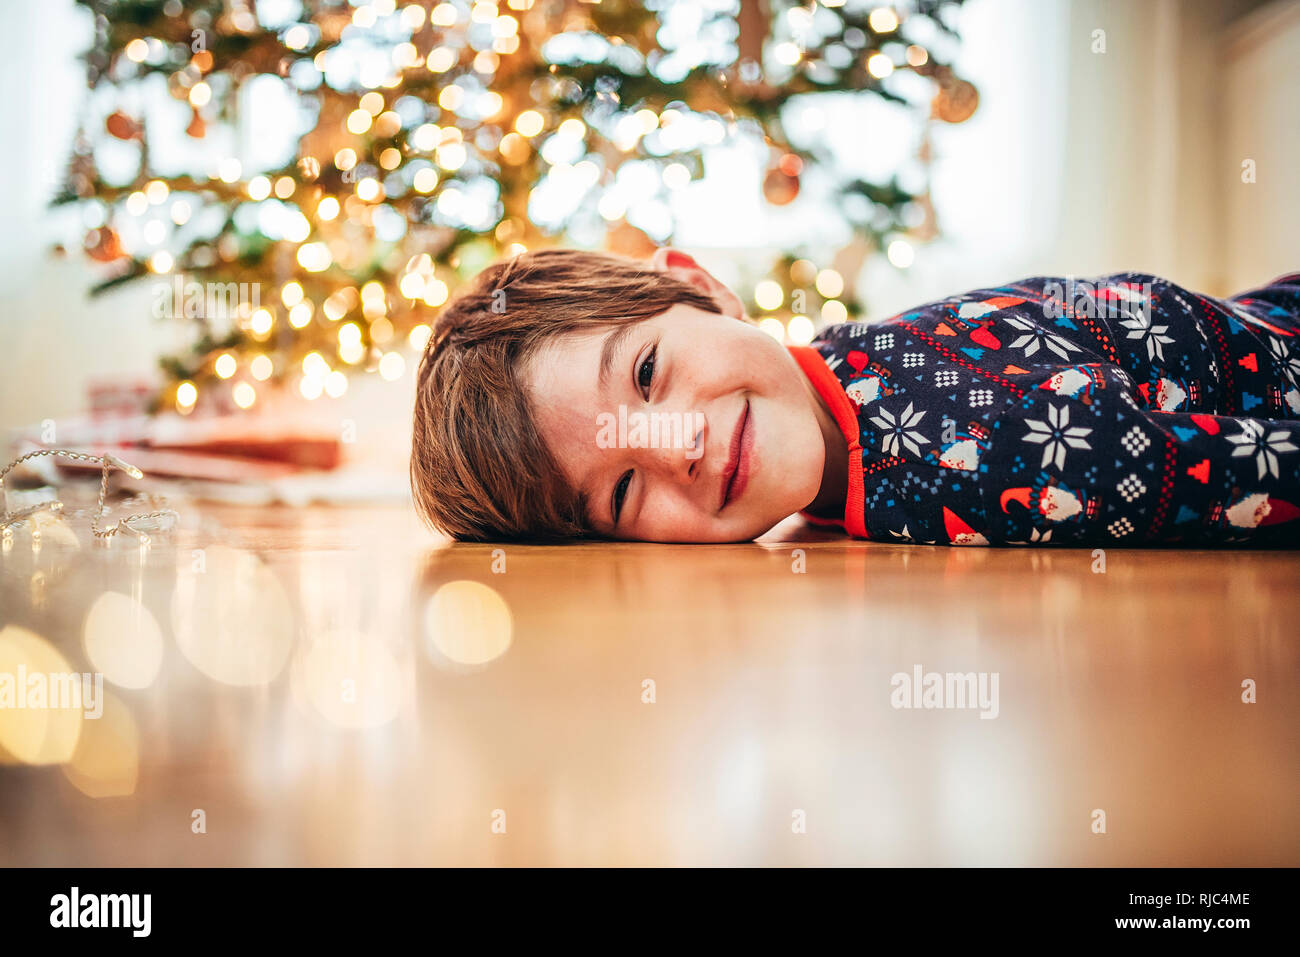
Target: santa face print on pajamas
(1119,410)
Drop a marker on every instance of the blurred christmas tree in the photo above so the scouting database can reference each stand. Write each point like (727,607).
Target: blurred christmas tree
(423,141)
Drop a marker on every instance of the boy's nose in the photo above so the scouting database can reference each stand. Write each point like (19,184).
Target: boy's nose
(682,461)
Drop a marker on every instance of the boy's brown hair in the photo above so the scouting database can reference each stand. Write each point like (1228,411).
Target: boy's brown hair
(479,468)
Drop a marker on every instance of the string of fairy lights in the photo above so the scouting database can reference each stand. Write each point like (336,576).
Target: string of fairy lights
(428,139)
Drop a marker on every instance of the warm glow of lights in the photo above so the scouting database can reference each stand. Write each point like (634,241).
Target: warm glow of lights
(181,212)
(451,97)
(363,664)
(122,640)
(443,15)
(284,187)
(368,189)
(225,365)
(418,337)
(311,388)
(106,762)
(137,203)
(156,191)
(800,330)
(229,170)
(768,294)
(291,293)
(260,322)
(137,50)
(261,368)
(467,623)
(34,735)
(336,383)
(883,20)
(231,617)
(425,180)
(345,159)
(834,311)
(390,158)
(186,395)
(487,61)
(297,37)
(917,56)
(441,59)
(901,253)
(676,176)
(787,54)
(161,261)
(391,366)
(773,327)
(830,283)
(435,292)
(200,94)
(314,257)
(425,137)
(359,121)
(529,123)
(450,156)
(328,209)
(244,395)
(372,103)
(879,65)
(411,286)
(514,148)
(259,187)
(301,314)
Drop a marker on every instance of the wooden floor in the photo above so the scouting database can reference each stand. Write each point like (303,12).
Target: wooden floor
(333,686)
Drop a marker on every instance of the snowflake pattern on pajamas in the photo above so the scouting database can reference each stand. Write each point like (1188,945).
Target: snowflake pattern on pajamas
(1118,410)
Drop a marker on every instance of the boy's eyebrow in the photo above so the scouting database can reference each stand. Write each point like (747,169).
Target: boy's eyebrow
(613,342)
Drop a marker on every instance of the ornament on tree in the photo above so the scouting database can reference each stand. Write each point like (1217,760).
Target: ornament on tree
(197,127)
(122,126)
(955,101)
(781,184)
(102,245)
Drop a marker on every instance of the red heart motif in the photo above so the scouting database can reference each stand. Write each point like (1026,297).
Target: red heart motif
(1201,471)
(1249,363)
(857,360)
(945,330)
(1208,423)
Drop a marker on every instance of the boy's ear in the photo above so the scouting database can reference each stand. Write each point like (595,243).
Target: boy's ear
(681,266)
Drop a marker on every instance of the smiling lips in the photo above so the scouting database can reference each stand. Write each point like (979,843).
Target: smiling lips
(736,475)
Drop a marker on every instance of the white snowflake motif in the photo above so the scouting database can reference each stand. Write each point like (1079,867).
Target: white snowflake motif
(1035,336)
(1290,360)
(1139,327)
(946,378)
(980,397)
(913,359)
(885,340)
(1055,434)
(1136,441)
(1131,487)
(1251,440)
(900,430)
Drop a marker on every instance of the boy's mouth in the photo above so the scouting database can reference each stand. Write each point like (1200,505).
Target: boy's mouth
(736,474)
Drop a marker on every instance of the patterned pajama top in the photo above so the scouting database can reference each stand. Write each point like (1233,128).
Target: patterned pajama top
(1120,410)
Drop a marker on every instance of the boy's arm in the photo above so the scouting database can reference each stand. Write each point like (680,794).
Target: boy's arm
(1105,469)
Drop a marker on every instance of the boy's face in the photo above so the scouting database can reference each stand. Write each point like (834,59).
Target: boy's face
(736,444)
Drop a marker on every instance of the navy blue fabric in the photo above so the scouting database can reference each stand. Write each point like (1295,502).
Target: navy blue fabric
(1118,410)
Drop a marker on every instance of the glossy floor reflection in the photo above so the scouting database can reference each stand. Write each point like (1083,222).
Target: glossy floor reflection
(333,686)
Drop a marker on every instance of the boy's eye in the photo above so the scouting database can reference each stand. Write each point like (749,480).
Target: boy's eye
(645,373)
(620,493)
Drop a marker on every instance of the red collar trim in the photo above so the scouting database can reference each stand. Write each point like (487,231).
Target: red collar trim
(827,385)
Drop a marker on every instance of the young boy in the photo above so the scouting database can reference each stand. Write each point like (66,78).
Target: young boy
(568,394)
